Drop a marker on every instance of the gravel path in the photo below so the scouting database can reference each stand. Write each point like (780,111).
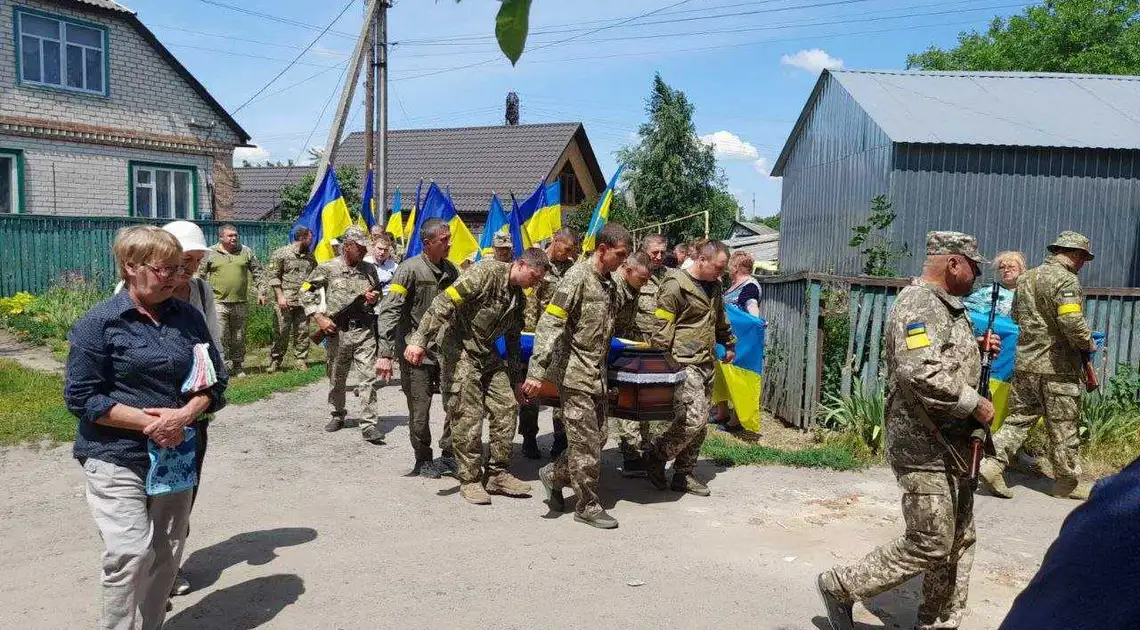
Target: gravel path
(296,528)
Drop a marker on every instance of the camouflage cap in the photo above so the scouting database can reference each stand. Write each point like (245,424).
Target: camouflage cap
(953,243)
(355,235)
(502,239)
(1072,240)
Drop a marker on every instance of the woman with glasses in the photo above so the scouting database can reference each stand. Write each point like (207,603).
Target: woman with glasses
(143,368)
(1008,267)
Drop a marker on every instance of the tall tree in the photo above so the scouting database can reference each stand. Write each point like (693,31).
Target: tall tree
(672,173)
(294,197)
(1085,36)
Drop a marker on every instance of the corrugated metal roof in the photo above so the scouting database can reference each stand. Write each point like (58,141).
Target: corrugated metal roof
(1000,108)
(105,4)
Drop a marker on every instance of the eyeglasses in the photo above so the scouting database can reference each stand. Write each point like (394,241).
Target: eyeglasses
(166,271)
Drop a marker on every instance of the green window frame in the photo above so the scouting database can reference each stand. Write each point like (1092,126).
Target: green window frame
(11,181)
(54,52)
(162,191)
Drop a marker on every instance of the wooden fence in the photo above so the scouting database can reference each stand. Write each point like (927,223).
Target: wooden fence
(795,307)
(35,250)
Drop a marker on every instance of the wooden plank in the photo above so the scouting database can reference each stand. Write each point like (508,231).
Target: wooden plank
(1134,342)
(1116,336)
(811,358)
(853,297)
(874,343)
(866,312)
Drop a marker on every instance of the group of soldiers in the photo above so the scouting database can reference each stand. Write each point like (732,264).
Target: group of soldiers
(933,410)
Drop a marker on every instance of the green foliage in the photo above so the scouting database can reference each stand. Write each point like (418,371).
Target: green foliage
(294,197)
(257,387)
(31,406)
(881,256)
(40,319)
(672,173)
(772,221)
(728,451)
(511,27)
(836,325)
(259,326)
(1111,417)
(1083,36)
(860,415)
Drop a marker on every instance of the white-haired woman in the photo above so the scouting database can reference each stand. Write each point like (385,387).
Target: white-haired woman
(1008,267)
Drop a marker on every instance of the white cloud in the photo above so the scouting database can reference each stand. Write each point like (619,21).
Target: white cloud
(729,146)
(252,154)
(763,167)
(814,61)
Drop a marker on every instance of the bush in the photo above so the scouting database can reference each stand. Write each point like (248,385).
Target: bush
(259,326)
(40,319)
(860,415)
(1111,417)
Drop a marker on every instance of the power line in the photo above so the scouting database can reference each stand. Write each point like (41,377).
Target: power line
(273,18)
(247,55)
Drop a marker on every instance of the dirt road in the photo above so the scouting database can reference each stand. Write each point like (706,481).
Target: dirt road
(296,528)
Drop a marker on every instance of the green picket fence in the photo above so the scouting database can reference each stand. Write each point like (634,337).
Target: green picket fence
(35,250)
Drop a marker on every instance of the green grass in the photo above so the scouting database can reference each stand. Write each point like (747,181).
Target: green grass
(255,387)
(730,451)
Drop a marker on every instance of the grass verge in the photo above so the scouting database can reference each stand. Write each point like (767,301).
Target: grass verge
(727,450)
(32,409)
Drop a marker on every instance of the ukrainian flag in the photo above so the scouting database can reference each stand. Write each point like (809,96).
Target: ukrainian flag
(741,382)
(541,214)
(410,224)
(601,214)
(1001,370)
(368,203)
(395,225)
(496,220)
(326,216)
(438,206)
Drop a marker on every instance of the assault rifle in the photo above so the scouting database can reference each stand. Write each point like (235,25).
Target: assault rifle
(980,436)
(319,335)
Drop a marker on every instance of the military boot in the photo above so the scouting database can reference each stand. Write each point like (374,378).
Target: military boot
(991,473)
(835,602)
(599,519)
(632,466)
(335,424)
(553,493)
(447,465)
(425,468)
(373,435)
(506,484)
(689,484)
(655,469)
(1070,489)
(530,447)
(474,493)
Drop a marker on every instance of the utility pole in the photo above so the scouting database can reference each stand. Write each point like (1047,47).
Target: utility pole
(381,149)
(345,103)
(370,100)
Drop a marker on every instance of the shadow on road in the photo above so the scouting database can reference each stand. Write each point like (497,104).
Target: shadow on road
(206,565)
(241,607)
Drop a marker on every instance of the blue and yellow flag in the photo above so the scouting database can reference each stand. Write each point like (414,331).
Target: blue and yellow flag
(326,216)
(496,220)
(540,215)
(410,224)
(741,382)
(1001,370)
(601,214)
(368,203)
(395,225)
(438,206)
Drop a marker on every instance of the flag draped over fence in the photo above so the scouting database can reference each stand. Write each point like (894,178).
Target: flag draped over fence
(741,382)
(326,216)
(601,214)
(540,215)
(436,205)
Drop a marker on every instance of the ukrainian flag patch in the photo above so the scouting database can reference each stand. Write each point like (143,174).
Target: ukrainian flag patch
(916,336)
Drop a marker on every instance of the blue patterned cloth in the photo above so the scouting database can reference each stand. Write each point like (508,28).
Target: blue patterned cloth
(120,357)
(173,469)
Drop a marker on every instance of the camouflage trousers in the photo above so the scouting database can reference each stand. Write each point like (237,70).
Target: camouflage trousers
(290,324)
(634,436)
(580,465)
(683,439)
(352,364)
(938,508)
(232,318)
(1032,396)
(481,394)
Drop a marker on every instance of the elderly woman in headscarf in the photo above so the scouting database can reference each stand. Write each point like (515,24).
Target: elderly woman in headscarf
(1008,267)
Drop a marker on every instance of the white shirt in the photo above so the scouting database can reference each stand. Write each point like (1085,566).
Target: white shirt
(688,263)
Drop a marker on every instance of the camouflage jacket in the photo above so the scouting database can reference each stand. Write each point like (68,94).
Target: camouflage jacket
(625,311)
(933,368)
(1054,333)
(539,297)
(690,322)
(288,268)
(572,342)
(334,285)
(416,283)
(645,319)
(479,308)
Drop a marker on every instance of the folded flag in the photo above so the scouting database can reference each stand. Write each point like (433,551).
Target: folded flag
(741,382)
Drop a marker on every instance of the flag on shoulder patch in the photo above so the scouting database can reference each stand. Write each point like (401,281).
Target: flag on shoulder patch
(916,336)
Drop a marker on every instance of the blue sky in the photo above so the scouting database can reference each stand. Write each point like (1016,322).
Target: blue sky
(748,67)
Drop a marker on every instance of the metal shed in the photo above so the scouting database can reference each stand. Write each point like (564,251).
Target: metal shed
(1011,157)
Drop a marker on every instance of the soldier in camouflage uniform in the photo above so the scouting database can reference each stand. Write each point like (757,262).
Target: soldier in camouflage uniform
(1048,372)
(571,348)
(289,266)
(502,247)
(351,290)
(417,282)
(486,303)
(691,322)
(933,367)
(633,434)
(561,253)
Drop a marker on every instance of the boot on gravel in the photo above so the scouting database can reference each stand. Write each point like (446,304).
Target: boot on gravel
(598,519)
(373,435)
(1070,489)
(553,493)
(506,484)
(530,447)
(689,484)
(474,493)
(655,469)
(425,468)
(839,609)
(992,475)
(335,424)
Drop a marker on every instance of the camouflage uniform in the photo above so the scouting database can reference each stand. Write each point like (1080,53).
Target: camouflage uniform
(479,308)
(933,366)
(352,349)
(571,347)
(637,321)
(536,301)
(417,282)
(691,321)
(1048,373)
(289,266)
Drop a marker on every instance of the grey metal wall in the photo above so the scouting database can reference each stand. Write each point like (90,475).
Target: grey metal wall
(1021,198)
(840,161)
